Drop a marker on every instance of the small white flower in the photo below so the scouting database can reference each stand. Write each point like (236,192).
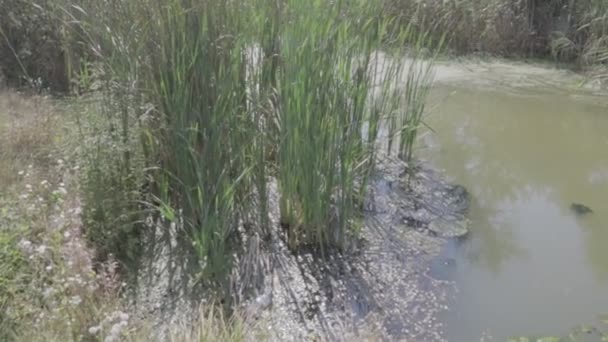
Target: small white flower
(28,187)
(21,173)
(75,300)
(41,249)
(115,332)
(94,330)
(44,183)
(48,292)
(49,268)
(25,246)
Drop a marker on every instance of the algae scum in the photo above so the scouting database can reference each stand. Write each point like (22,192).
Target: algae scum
(530,145)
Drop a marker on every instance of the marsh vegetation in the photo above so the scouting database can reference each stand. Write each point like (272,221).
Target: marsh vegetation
(189,116)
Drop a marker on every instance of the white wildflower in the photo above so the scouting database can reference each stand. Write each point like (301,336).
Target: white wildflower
(41,249)
(26,246)
(95,330)
(49,268)
(75,300)
(93,287)
(115,332)
(44,183)
(21,173)
(28,187)
(47,292)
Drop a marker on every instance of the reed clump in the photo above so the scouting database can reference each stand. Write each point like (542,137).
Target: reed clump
(238,93)
(198,105)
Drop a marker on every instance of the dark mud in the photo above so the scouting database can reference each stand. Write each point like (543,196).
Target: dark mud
(382,288)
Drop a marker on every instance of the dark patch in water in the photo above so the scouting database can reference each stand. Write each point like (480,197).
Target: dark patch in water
(580,209)
(445,265)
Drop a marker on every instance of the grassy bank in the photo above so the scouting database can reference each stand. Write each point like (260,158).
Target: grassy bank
(52,286)
(48,290)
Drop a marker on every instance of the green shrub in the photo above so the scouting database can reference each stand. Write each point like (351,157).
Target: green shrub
(32,51)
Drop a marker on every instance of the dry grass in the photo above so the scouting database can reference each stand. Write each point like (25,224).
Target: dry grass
(26,133)
(214,325)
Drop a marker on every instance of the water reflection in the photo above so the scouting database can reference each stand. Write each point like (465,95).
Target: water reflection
(525,154)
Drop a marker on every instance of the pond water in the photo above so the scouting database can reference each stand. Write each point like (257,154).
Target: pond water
(527,142)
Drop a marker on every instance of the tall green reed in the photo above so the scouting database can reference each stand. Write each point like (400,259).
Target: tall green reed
(237,93)
(207,134)
(187,61)
(331,94)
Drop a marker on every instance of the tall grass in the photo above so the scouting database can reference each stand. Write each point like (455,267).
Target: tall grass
(585,36)
(207,134)
(408,116)
(572,31)
(321,113)
(235,93)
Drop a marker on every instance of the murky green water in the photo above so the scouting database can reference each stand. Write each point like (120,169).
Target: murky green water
(527,142)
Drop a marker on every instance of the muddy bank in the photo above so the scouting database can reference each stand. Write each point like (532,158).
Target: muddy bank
(381,289)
